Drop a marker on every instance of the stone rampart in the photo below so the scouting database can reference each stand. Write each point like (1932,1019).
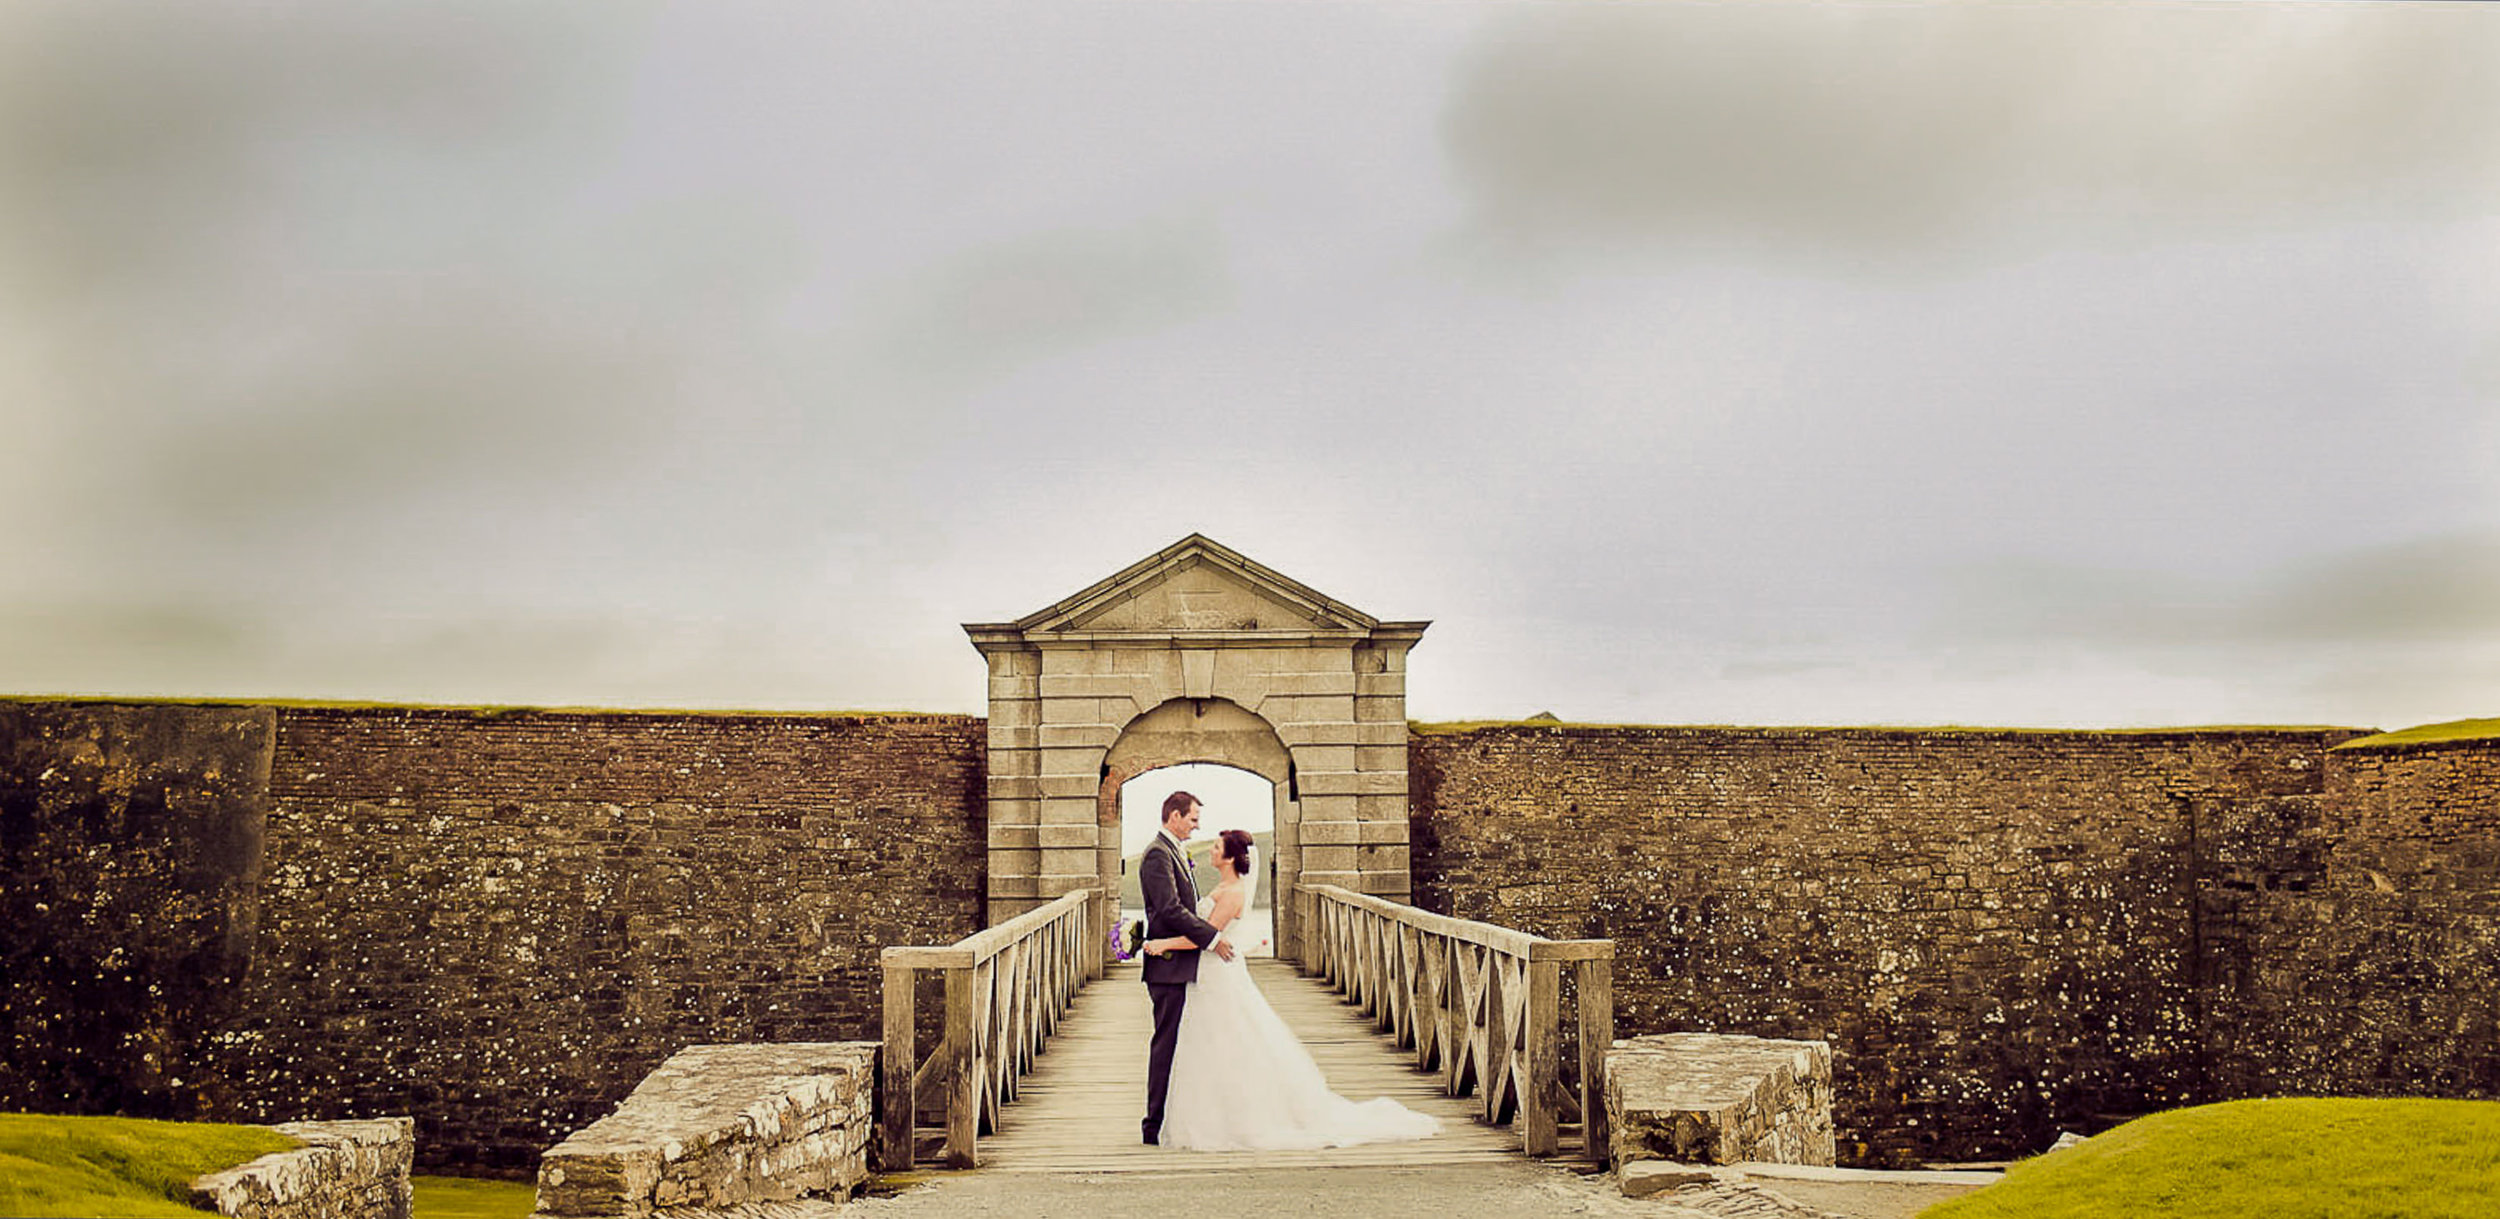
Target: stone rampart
(2000,933)
(718,1128)
(2374,969)
(130,866)
(344,1170)
(500,921)
(496,921)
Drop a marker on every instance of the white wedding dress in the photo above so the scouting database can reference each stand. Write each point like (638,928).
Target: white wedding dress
(1241,1080)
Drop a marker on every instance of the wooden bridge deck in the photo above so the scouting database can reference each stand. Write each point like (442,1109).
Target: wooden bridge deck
(1077,1111)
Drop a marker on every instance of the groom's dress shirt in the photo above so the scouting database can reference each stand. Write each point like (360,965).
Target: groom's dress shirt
(1189,883)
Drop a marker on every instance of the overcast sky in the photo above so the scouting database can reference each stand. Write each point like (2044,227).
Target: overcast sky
(2079,364)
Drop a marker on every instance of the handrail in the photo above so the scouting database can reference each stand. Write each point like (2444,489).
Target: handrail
(1479,1002)
(1006,988)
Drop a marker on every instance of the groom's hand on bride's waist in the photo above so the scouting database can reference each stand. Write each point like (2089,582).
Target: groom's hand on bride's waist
(1224,949)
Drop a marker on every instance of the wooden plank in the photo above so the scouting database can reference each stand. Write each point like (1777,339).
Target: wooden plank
(1078,1110)
(1572,950)
(985,944)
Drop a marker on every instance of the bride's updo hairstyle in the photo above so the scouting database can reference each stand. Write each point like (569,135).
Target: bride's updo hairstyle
(1237,848)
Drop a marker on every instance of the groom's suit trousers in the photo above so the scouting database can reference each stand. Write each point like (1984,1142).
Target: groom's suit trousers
(1167,998)
(1171,909)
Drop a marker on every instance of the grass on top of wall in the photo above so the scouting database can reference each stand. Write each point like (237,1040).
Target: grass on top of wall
(2453,730)
(486,711)
(2318,1158)
(116,1166)
(1455,727)
(468,1198)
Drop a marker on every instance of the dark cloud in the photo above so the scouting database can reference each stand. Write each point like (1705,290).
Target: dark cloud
(2430,591)
(65,646)
(1875,129)
(2443,590)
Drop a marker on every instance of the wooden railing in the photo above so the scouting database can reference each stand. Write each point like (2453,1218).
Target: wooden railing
(1480,1003)
(1005,991)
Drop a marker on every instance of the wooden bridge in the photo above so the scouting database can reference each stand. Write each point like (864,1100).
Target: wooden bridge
(1034,1069)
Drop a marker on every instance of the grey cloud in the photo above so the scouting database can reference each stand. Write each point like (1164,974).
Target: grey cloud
(1876,129)
(2414,592)
(996,307)
(280,259)
(2417,686)
(146,141)
(126,646)
(2434,590)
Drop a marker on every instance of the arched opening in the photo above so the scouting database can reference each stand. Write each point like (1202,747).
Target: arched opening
(1247,773)
(1230,798)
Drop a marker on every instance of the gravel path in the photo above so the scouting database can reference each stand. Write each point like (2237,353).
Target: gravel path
(1524,1189)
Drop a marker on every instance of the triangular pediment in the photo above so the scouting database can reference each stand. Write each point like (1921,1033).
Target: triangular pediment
(1193,586)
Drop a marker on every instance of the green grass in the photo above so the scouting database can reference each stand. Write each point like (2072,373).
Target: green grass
(2453,730)
(465,1198)
(488,711)
(1454,727)
(2265,1159)
(115,1166)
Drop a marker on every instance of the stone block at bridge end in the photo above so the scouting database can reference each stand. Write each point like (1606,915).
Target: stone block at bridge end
(1709,1098)
(717,1128)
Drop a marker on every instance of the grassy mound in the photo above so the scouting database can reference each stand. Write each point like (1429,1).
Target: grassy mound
(464,1198)
(2265,1159)
(115,1166)
(2428,734)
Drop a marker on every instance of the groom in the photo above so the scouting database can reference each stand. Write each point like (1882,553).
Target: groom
(1171,909)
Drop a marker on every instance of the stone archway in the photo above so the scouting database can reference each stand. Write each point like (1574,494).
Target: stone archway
(1196,649)
(1196,730)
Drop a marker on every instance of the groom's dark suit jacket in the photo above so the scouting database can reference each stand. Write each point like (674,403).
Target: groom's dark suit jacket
(1171,909)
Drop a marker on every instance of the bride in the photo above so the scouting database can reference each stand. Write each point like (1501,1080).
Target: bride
(1241,1080)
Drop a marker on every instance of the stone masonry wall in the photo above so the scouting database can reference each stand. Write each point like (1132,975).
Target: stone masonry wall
(500,921)
(130,858)
(1995,930)
(495,922)
(2379,975)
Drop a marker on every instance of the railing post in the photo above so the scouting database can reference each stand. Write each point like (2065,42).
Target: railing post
(1544,1043)
(898,1110)
(1596,979)
(963,1088)
(1103,914)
